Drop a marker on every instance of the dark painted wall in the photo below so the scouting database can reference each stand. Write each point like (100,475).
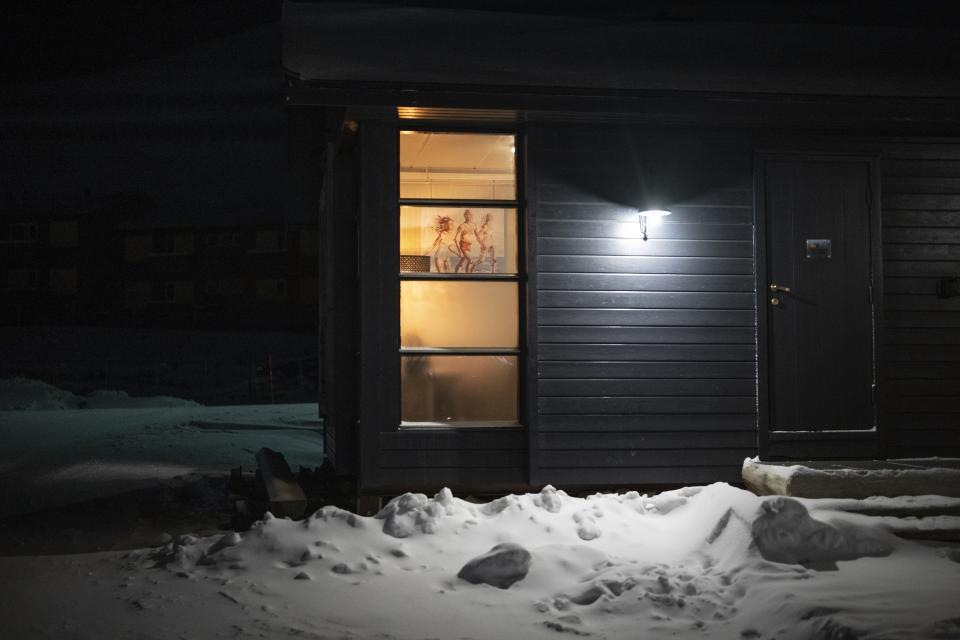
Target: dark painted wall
(646,350)
(920,371)
(642,355)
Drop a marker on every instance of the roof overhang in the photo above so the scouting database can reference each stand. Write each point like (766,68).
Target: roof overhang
(455,63)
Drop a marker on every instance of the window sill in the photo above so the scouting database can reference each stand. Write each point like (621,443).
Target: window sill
(464,426)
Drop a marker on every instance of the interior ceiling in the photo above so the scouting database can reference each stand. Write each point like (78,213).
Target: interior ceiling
(457,152)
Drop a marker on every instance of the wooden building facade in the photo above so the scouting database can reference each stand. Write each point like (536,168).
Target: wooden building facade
(800,301)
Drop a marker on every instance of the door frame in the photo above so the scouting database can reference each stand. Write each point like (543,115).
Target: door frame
(797,445)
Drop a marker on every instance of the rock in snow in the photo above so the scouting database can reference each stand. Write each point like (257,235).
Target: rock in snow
(500,567)
(785,532)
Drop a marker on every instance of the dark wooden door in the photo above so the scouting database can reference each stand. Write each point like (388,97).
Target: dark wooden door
(817,294)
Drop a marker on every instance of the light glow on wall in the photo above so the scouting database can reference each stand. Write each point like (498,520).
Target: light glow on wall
(651,218)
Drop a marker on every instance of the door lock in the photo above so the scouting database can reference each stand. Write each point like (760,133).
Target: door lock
(775,302)
(775,287)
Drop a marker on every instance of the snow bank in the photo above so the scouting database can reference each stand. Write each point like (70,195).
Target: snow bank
(710,561)
(25,394)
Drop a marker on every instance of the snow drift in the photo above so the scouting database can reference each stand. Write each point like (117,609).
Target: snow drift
(699,562)
(17,394)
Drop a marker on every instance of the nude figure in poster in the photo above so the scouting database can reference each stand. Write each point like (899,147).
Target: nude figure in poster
(440,249)
(487,249)
(463,243)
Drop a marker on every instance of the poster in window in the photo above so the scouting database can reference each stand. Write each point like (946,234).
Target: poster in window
(463,240)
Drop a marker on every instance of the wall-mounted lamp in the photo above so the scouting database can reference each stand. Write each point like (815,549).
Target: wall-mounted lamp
(651,217)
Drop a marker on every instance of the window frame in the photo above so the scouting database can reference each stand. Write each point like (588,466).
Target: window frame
(31,233)
(519,277)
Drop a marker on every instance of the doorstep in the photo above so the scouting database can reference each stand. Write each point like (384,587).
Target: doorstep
(853,478)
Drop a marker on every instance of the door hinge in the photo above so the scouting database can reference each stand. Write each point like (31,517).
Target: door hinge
(873,393)
(870,293)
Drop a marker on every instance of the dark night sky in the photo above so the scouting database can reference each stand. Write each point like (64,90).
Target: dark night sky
(183,103)
(48,40)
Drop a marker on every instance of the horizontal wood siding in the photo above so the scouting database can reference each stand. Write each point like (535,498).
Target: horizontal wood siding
(643,354)
(468,460)
(920,354)
(646,350)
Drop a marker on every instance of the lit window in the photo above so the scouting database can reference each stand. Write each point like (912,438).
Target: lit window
(459,280)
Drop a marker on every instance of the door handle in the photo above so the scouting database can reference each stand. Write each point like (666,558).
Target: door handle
(776,287)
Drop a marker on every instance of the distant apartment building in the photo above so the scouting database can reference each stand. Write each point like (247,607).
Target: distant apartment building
(102,261)
(236,276)
(61,263)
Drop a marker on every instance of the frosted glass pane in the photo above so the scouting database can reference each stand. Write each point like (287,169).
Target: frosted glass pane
(459,390)
(455,313)
(465,166)
(458,240)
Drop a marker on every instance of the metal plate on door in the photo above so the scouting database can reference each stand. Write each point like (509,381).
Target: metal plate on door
(819,249)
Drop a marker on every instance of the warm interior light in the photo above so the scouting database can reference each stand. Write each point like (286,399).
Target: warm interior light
(651,217)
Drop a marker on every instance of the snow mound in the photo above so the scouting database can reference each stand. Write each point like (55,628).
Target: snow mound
(25,393)
(785,532)
(19,394)
(711,561)
(947,628)
(114,399)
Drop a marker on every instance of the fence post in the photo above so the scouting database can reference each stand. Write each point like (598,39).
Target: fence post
(270,375)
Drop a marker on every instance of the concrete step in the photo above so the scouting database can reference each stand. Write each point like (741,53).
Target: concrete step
(927,523)
(853,478)
(915,499)
(898,507)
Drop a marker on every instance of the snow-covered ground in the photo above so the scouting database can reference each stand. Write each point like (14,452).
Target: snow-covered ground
(699,562)
(712,562)
(57,454)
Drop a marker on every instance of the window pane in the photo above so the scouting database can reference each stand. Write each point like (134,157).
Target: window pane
(63,282)
(64,233)
(458,240)
(464,390)
(464,166)
(454,313)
